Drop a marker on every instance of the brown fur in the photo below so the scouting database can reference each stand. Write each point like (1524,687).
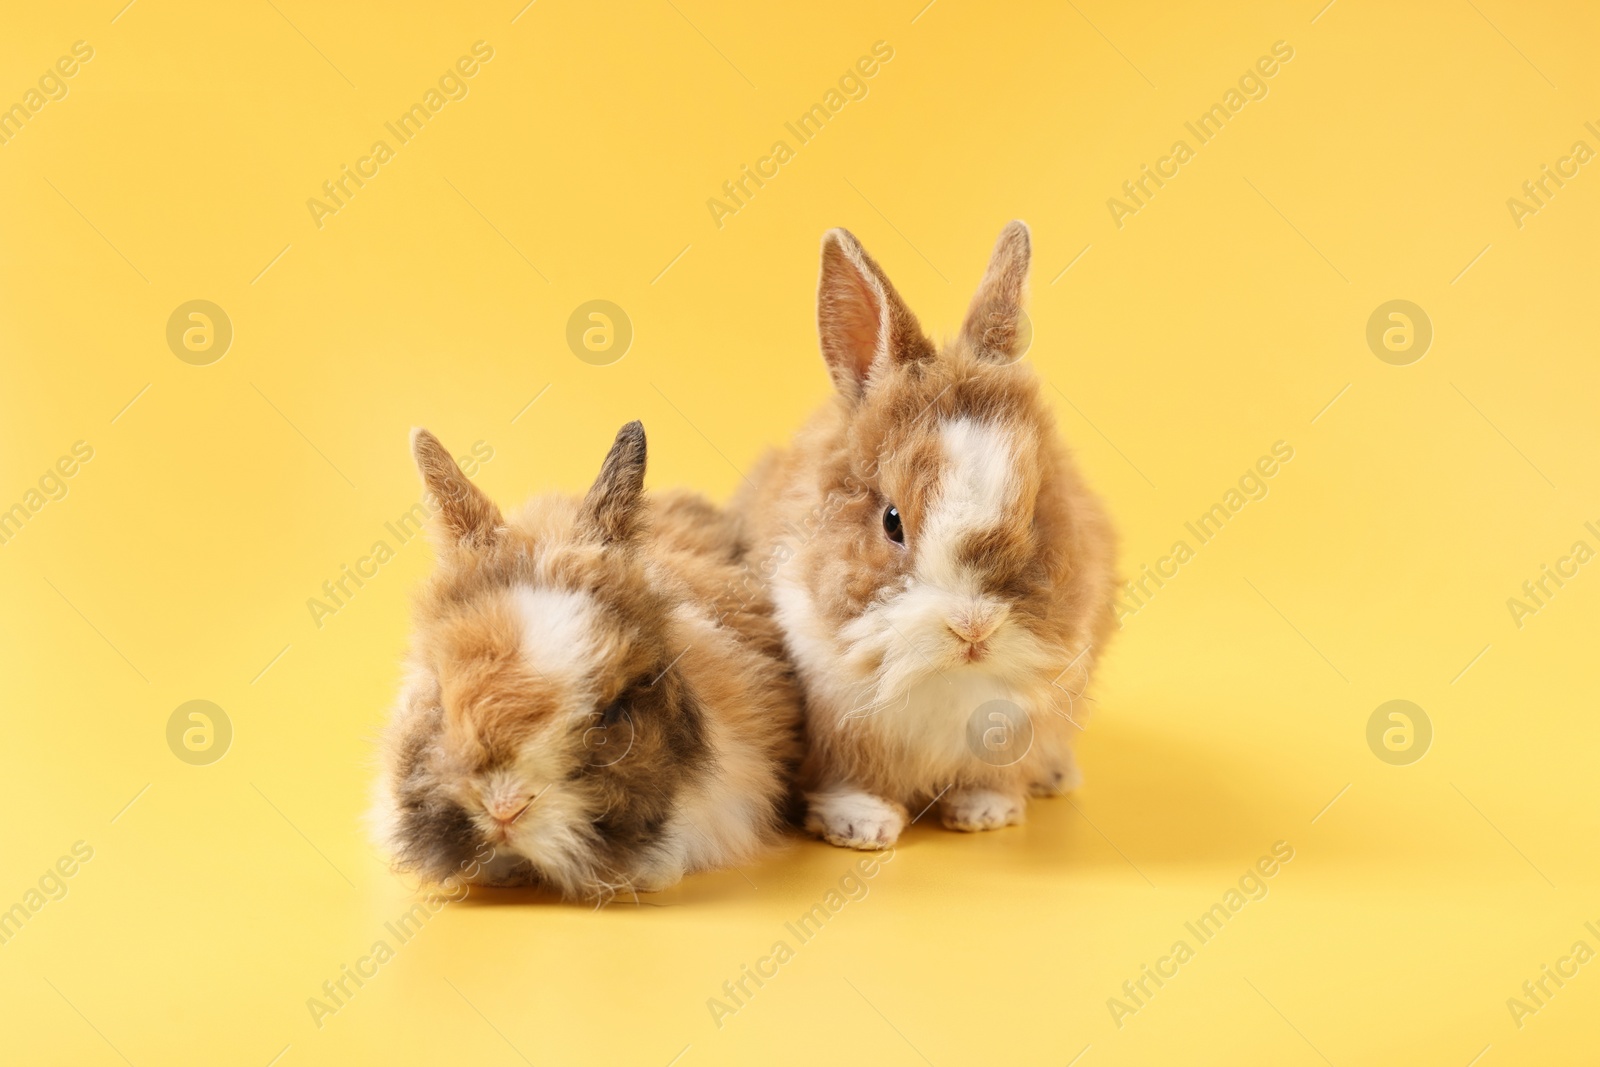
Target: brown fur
(1043,562)
(661,660)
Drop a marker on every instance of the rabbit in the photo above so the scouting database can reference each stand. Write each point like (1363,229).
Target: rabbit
(943,576)
(589,701)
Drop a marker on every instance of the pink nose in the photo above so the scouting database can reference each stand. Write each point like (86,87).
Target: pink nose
(974,627)
(506,810)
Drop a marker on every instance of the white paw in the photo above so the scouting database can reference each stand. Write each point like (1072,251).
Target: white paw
(1060,778)
(658,877)
(980,809)
(855,820)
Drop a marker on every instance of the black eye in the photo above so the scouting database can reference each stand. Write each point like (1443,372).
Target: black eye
(613,714)
(892,527)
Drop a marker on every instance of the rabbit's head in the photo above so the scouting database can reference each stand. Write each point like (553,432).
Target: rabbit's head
(954,539)
(541,719)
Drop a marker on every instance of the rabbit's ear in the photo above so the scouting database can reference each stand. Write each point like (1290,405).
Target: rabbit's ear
(993,320)
(864,324)
(467,516)
(613,510)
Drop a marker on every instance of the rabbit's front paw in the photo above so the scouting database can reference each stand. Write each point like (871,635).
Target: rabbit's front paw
(855,820)
(980,809)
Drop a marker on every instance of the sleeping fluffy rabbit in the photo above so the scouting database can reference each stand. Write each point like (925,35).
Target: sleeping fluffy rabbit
(586,696)
(942,574)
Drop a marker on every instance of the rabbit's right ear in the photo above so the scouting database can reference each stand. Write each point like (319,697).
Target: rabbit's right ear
(613,510)
(864,325)
(467,515)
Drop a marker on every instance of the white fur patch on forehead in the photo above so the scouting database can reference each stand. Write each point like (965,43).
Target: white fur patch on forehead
(977,485)
(560,632)
(980,466)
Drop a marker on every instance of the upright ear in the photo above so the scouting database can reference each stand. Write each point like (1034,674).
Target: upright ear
(863,322)
(613,510)
(467,515)
(993,320)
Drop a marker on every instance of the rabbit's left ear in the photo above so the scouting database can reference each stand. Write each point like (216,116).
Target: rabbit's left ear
(993,320)
(613,510)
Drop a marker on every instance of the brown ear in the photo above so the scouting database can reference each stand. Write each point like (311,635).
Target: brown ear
(993,326)
(613,510)
(466,514)
(862,321)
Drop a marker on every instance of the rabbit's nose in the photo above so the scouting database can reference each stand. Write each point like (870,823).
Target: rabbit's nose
(506,810)
(975,625)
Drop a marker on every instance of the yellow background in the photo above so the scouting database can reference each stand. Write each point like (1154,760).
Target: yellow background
(1223,317)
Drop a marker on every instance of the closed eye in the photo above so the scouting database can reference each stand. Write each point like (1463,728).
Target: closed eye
(618,709)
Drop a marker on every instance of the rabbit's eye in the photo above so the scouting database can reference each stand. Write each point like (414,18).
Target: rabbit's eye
(892,526)
(610,739)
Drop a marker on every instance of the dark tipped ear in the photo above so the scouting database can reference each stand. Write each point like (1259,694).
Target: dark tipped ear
(613,510)
(994,319)
(466,514)
(862,321)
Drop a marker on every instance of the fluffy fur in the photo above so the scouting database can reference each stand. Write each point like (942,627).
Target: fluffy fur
(593,692)
(1002,588)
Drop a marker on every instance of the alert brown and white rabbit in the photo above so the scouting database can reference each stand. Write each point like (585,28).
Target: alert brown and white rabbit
(586,694)
(942,574)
